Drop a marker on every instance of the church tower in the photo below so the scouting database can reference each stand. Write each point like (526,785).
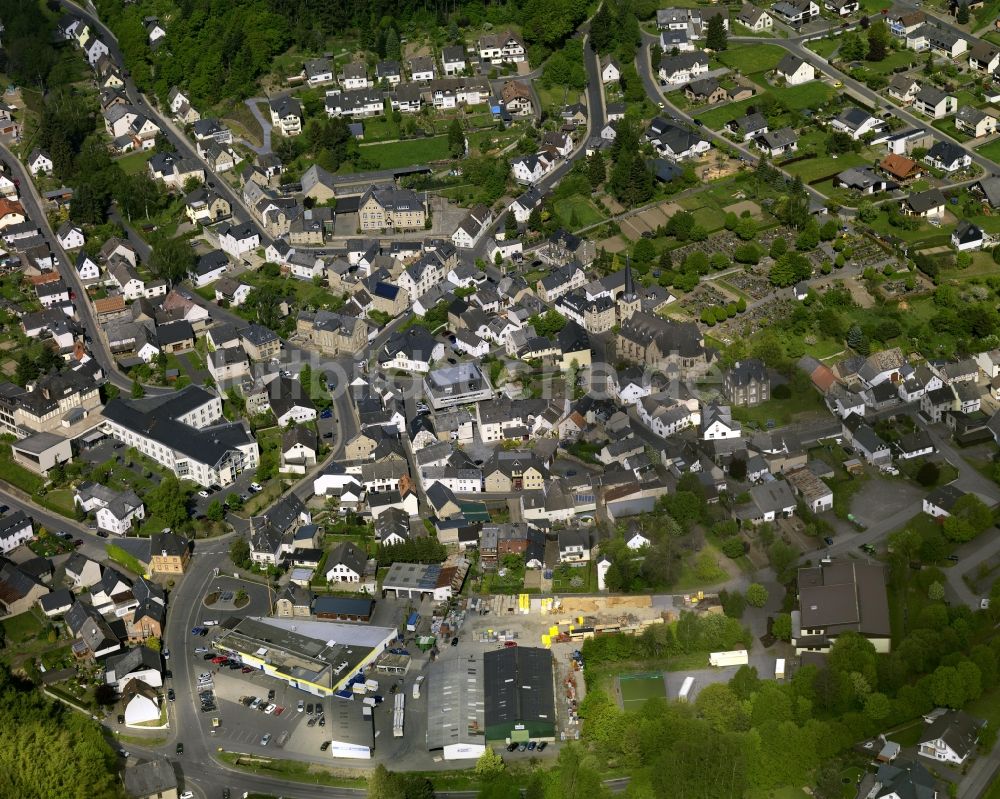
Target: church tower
(628,302)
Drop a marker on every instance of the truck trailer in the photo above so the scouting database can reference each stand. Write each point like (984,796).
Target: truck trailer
(685,693)
(736,657)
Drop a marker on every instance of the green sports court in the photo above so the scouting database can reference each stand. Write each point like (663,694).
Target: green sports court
(635,689)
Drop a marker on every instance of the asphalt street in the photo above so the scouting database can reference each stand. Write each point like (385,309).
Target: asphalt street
(35,209)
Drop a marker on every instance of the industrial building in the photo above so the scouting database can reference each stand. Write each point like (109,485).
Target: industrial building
(519,694)
(416,580)
(318,657)
(456,708)
(352,734)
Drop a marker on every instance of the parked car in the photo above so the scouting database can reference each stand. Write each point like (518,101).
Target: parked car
(102,533)
(301,706)
(324,746)
(171,696)
(326,414)
(255,487)
(180,748)
(247,669)
(265,739)
(542,745)
(531,746)
(511,747)
(828,540)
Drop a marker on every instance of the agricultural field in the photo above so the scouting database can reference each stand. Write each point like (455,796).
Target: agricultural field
(577,212)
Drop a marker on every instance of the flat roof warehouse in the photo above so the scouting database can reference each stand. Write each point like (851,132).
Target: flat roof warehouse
(315,656)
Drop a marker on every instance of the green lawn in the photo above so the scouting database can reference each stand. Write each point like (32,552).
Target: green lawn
(991,150)
(824,166)
(781,411)
(407,153)
(134,162)
(948,126)
(898,58)
(752,58)
(577,212)
(809,95)
(824,47)
(21,628)
(17,475)
(60,500)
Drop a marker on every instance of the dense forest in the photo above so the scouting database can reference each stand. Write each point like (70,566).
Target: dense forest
(218,50)
(48,750)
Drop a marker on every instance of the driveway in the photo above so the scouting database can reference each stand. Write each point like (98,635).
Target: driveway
(265,125)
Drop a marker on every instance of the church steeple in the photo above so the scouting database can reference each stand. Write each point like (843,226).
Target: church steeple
(628,302)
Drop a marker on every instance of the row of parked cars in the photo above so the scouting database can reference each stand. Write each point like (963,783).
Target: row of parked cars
(529,746)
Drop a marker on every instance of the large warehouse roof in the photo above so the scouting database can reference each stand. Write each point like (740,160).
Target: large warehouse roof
(455,703)
(518,688)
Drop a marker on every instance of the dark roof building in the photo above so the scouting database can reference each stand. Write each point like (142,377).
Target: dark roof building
(519,694)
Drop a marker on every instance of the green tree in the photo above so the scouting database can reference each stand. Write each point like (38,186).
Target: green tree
(596,169)
(757,595)
(962,15)
(928,474)
(489,765)
(137,390)
(392,48)
(172,259)
(716,36)
(168,502)
(456,139)
(215,512)
(878,41)
(782,627)
(877,706)
(510,226)
(239,553)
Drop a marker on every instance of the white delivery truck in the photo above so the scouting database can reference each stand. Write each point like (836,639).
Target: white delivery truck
(416,686)
(779,669)
(372,685)
(685,693)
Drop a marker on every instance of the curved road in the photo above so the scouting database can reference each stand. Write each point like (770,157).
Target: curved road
(97,344)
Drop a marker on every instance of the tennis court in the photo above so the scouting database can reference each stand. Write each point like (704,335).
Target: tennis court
(635,689)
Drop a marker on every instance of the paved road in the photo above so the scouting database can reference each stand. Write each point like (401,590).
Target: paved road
(265,123)
(97,344)
(651,83)
(174,135)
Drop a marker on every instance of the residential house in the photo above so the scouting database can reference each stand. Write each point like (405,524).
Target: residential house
(169,553)
(682,68)
(903,88)
(747,383)
(346,563)
(286,115)
(15,529)
(70,236)
(951,737)
(934,103)
(318,71)
(984,57)
(705,90)
(794,70)
(39,163)
(856,122)
(948,157)
(975,122)
(610,71)
(298,450)
(391,209)
(778,142)
(929,203)
(502,48)
(239,239)
(453,59)
(574,546)
(115,511)
(756,19)
(940,502)
(795,12)
(517,98)
(967,236)
(900,168)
